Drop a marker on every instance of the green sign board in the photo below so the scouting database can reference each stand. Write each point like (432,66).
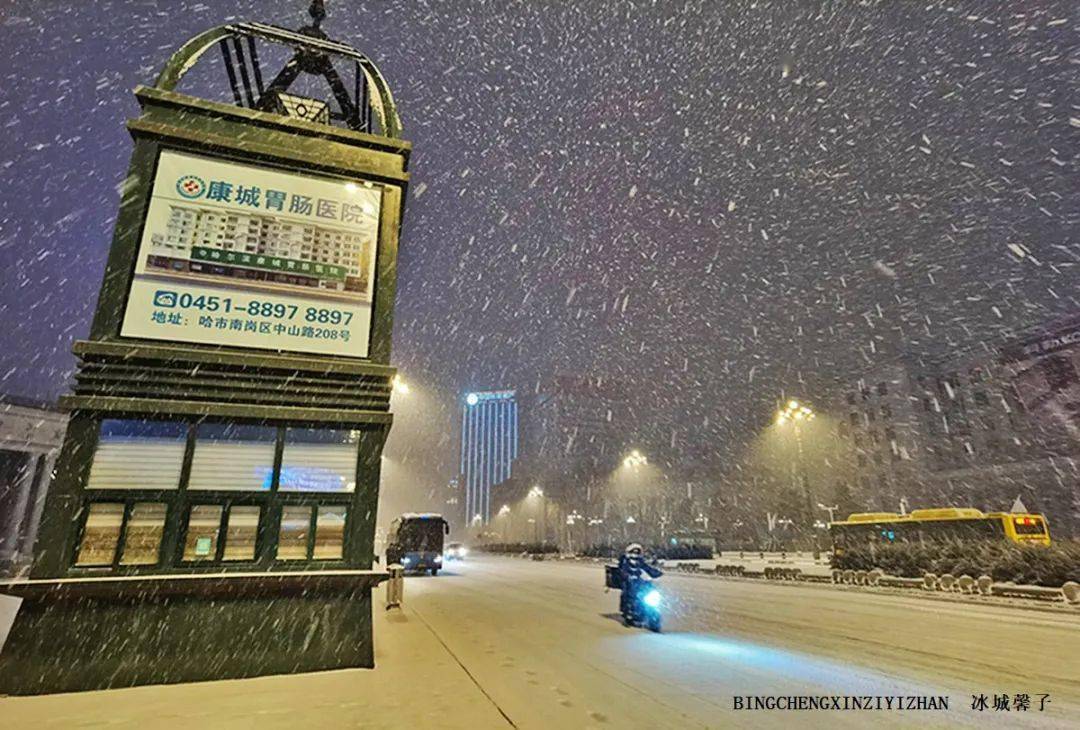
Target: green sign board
(268,263)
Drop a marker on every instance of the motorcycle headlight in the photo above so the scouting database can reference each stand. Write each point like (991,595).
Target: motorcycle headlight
(438,558)
(652,599)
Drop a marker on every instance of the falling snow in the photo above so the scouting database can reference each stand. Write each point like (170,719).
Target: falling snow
(712,204)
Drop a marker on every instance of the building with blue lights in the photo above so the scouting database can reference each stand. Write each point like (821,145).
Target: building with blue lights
(489,446)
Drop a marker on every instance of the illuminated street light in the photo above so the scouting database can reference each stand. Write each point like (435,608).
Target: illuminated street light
(830,510)
(635,459)
(399,385)
(541,509)
(472,399)
(796,412)
(504,511)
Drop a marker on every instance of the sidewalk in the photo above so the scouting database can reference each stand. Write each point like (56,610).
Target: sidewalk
(416,684)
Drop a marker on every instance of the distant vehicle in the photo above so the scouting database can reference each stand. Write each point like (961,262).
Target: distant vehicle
(455,551)
(924,526)
(693,539)
(416,542)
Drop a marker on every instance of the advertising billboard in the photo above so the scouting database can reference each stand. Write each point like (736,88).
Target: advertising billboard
(254,257)
(1045,371)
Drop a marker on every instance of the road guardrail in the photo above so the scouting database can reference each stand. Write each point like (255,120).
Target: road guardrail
(946,583)
(965,584)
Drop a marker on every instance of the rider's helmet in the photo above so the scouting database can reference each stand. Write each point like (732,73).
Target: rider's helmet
(633,550)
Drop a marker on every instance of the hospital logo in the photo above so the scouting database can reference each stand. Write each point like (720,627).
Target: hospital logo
(190,186)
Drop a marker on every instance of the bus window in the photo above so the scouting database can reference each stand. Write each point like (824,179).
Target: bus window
(1029,526)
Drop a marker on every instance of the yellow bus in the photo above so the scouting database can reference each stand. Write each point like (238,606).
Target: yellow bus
(938,525)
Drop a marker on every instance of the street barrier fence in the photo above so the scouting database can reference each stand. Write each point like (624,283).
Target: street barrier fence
(964,584)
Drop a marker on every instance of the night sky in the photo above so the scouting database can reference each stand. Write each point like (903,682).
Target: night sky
(710,202)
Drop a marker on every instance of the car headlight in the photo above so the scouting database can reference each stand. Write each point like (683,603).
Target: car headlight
(461,552)
(652,599)
(405,561)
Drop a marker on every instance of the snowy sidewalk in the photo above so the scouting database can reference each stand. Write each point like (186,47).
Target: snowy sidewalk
(417,683)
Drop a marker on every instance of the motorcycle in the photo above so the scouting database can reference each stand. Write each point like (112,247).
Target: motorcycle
(640,603)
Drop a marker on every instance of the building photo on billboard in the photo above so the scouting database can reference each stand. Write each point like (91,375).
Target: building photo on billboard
(1044,371)
(255,257)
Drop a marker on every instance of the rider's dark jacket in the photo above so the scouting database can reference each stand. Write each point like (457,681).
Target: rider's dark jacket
(631,567)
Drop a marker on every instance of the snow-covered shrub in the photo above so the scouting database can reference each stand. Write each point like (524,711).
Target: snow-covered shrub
(1004,561)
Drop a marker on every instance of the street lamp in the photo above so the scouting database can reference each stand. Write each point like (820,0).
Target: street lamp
(830,510)
(571,520)
(796,413)
(635,459)
(399,385)
(537,493)
(472,399)
(504,512)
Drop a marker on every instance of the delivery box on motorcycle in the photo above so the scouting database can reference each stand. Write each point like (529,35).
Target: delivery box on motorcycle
(612,577)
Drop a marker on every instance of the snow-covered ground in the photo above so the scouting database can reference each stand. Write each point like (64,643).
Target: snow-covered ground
(501,642)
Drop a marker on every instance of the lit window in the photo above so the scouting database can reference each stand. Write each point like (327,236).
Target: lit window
(142,536)
(319,460)
(101,534)
(204,526)
(138,454)
(241,533)
(233,457)
(330,532)
(293,536)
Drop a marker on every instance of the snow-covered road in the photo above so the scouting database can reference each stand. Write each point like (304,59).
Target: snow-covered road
(544,643)
(500,642)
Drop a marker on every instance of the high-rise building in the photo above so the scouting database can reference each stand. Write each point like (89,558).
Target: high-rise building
(489,446)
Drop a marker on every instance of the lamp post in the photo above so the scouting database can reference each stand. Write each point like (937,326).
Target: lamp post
(538,494)
(633,463)
(594,534)
(830,510)
(795,414)
(571,521)
(504,512)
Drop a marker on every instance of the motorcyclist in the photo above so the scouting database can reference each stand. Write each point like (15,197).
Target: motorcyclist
(632,565)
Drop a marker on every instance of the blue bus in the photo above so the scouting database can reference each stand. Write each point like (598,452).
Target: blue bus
(416,542)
